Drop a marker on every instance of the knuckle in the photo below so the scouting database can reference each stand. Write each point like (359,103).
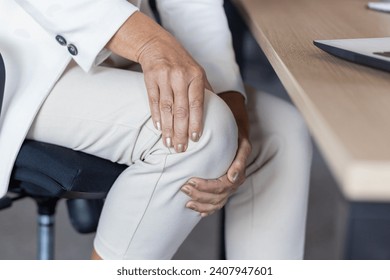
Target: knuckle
(181,112)
(196,103)
(163,68)
(197,71)
(215,201)
(197,74)
(201,208)
(166,106)
(154,100)
(195,197)
(220,190)
(178,73)
(180,134)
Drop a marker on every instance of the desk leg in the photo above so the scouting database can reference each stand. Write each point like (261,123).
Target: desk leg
(368,231)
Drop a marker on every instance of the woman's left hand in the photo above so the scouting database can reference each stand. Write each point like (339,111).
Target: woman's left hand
(208,196)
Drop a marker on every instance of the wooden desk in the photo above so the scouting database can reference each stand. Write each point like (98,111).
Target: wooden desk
(346,106)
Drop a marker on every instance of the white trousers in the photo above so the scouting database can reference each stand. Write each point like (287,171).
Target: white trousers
(106,113)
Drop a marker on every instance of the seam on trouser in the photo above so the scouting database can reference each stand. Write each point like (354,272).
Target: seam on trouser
(252,210)
(127,125)
(146,208)
(100,242)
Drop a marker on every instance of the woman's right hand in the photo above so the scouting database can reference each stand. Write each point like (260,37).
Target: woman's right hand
(175,82)
(208,196)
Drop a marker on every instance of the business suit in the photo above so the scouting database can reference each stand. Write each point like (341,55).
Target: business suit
(31,53)
(63,38)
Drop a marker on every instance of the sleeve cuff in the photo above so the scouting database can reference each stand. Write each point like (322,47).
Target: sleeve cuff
(91,45)
(81,27)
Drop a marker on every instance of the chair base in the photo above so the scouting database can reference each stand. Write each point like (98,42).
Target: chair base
(46,227)
(46,237)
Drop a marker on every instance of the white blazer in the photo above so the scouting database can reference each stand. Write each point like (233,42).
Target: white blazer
(38,39)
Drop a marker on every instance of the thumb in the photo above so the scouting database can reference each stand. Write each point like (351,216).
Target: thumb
(238,165)
(233,174)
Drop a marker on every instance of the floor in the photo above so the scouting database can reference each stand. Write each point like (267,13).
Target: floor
(324,229)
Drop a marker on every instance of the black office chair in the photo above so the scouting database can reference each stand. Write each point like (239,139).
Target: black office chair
(47,173)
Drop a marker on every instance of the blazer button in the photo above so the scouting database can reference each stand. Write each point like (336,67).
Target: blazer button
(61,40)
(72,49)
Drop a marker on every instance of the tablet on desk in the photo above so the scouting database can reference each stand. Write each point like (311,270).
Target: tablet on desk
(373,52)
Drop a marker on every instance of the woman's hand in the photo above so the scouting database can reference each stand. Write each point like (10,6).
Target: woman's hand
(208,196)
(175,82)
(175,85)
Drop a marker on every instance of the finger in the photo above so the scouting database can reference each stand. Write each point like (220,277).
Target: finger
(196,98)
(205,214)
(180,115)
(214,186)
(236,172)
(166,107)
(204,197)
(154,100)
(205,208)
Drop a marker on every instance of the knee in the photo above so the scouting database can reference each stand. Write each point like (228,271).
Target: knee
(294,140)
(296,136)
(282,120)
(279,133)
(295,133)
(218,143)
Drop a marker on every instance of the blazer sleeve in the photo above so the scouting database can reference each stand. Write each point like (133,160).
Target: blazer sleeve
(201,27)
(81,27)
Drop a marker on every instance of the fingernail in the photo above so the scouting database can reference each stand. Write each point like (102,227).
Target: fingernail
(158,124)
(186,190)
(235,177)
(191,206)
(194,136)
(168,140)
(180,148)
(203,215)
(192,183)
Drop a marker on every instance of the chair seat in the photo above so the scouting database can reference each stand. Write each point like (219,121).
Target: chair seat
(43,169)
